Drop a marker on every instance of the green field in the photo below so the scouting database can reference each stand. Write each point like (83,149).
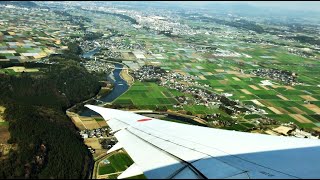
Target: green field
(4,123)
(99,119)
(147,95)
(8,71)
(119,162)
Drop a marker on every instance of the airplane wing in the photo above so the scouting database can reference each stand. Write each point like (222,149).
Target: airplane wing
(165,150)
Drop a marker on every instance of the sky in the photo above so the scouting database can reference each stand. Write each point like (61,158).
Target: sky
(292,5)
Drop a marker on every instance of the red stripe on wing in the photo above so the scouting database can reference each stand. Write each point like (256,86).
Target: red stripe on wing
(141,120)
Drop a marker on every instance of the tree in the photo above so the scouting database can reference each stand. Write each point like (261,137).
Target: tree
(189,113)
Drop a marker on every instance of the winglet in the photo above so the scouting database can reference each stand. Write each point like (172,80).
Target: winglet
(114,148)
(133,170)
(108,113)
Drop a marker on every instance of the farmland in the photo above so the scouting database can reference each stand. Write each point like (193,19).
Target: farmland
(148,96)
(112,166)
(261,77)
(229,75)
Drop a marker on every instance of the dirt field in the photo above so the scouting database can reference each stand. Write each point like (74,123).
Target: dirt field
(85,122)
(264,87)
(92,124)
(102,123)
(202,77)
(233,72)
(289,87)
(234,68)
(308,98)
(270,132)
(125,75)
(199,67)
(282,110)
(257,103)
(282,97)
(244,75)
(317,129)
(22,69)
(312,107)
(128,56)
(93,142)
(266,103)
(125,55)
(179,71)
(223,81)
(235,78)
(254,87)
(275,86)
(297,110)
(246,91)
(76,120)
(219,90)
(282,130)
(4,134)
(98,152)
(2,109)
(300,118)
(219,70)
(275,110)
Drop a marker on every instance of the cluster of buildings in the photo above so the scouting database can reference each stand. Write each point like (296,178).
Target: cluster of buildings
(153,19)
(290,129)
(95,133)
(108,143)
(112,47)
(225,53)
(286,77)
(265,121)
(212,116)
(109,54)
(222,123)
(87,45)
(302,52)
(97,66)
(148,72)
(186,84)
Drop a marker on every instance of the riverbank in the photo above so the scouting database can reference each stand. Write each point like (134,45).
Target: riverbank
(124,74)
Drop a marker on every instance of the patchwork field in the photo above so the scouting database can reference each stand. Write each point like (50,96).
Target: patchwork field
(282,102)
(86,122)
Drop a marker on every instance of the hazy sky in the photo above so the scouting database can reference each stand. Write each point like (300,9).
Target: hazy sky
(294,5)
(290,5)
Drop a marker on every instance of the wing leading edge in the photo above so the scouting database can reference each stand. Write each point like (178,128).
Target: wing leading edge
(163,149)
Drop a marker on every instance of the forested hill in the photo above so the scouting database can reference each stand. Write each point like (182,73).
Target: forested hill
(48,143)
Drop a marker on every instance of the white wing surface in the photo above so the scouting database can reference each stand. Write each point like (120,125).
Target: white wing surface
(164,150)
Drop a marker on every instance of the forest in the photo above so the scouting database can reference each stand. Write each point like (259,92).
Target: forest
(49,145)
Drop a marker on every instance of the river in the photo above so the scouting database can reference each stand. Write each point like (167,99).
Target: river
(120,86)
(89,54)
